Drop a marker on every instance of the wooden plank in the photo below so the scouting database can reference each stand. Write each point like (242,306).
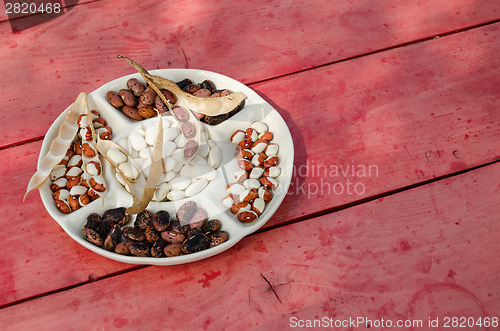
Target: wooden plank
(424,124)
(378,123)
(422,254)
(77,51)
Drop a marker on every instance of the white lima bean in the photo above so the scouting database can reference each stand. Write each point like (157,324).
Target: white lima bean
(178,180)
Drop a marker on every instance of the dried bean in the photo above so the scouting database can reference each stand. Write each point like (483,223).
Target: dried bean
(114,237)
(143,219)
(161,220)
(195,243)
(93,237)
(217,238)
(140,249)
(117,216)
(132,233)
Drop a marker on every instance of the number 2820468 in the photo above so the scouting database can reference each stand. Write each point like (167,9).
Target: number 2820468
(32,8)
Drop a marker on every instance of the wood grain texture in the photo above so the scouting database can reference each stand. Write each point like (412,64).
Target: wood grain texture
(425,253)
(388,120)
(249,41)
(409,139)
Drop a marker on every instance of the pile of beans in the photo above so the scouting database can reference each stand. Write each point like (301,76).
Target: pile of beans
(71,184)
(154,235)
(258,160)
(139,102)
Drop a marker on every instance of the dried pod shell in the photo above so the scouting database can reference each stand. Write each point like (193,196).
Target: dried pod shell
(60,145)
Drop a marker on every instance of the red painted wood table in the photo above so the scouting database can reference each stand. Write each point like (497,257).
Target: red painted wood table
(409,91)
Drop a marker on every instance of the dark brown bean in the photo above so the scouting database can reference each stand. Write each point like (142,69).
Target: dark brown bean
(173,237)
(123,247)
(93,221)
(147,111)
(211,226)
(115,99)
(161,220)
(132,112)
(192,88)
(132,233)
(191,148)
(186,212)
(148,97)
(217,238)
(140,249)
(189,130)
(172,250)
(114,237)
(209,85)
(183,83)
(117,216)
(175,225)
(195,243)
(143,219)
(135,86)
(158,247)
(105,227)
(151,234)
(93,237)
(180,114)
(128,98)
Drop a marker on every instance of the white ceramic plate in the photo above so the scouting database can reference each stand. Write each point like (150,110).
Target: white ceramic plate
(256,109)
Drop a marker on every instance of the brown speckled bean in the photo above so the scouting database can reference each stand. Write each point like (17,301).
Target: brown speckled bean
(128,98)
(114,99)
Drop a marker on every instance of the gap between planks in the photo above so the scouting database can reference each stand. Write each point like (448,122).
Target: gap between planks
(292,221)
(424,39)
